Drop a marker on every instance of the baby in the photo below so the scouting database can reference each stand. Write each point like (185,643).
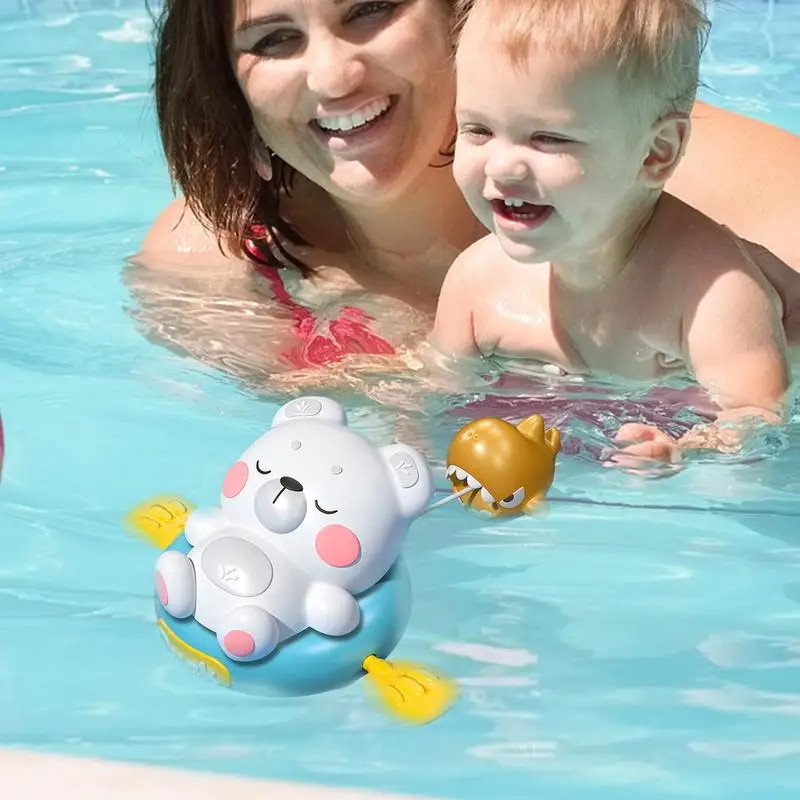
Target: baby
(572,115)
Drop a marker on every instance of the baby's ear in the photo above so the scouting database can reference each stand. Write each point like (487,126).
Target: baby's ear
(411,478)
(667,146)
(322,408)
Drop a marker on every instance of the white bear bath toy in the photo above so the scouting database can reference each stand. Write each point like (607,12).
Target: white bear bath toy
(311,515)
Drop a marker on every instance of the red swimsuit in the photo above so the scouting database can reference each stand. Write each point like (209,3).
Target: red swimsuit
(347,334)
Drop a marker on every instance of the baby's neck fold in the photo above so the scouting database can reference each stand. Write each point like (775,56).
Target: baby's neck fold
(596,267)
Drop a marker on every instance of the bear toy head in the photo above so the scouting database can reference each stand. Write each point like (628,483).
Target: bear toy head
(327,497)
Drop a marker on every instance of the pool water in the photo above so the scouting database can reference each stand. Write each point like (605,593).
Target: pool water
(641,641)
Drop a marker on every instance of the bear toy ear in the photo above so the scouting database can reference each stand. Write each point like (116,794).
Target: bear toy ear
(411,478)
(311,407)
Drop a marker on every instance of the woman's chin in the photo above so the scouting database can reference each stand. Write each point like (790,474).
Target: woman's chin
(361,183)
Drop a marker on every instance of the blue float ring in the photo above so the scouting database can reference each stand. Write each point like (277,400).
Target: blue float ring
(310,662)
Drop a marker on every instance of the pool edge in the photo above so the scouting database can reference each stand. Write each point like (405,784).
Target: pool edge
(77,778)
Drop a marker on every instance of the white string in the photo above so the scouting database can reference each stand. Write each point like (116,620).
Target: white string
(449,499)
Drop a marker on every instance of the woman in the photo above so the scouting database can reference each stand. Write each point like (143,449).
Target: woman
(315,135)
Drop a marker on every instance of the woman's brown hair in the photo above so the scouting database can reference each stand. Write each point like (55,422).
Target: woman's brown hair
(207,129)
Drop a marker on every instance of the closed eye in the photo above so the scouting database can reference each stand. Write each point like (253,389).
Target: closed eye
(551,140)
(262,470)
(324,510)
(474,132)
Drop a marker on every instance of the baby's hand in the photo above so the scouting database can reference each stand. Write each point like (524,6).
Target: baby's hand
(643,444)
(646,443)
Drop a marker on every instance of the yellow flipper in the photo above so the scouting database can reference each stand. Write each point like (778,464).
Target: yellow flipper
(159,520)
(204,664)
(410,692)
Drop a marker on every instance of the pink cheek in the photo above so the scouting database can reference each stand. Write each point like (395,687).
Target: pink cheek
(338,546)
(235,480)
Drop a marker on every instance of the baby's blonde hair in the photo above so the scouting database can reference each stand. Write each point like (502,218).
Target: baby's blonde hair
(656,45)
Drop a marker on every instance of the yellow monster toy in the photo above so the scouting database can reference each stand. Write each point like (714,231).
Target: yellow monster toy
(501,468)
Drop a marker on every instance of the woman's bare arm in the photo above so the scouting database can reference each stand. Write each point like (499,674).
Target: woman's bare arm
(178,237)
(190,296)
(743,173)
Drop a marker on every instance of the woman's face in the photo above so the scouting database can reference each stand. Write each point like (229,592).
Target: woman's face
(357,95)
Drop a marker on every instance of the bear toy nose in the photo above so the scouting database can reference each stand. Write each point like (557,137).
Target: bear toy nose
(291,484)
(280,505)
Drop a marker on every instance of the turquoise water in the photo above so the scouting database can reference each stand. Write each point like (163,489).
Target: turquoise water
(640,642)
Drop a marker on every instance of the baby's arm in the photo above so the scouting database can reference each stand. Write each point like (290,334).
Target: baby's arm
(735,342)
(732,339)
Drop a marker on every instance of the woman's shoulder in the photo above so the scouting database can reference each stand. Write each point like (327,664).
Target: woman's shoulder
(177,237)
(744,173)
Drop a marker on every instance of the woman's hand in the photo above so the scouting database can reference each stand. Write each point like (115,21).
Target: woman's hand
(354,372)
(404,380)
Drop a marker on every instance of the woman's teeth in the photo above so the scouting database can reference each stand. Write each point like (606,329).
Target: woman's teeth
(344,123)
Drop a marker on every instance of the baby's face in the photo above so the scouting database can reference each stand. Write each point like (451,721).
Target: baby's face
(548,155)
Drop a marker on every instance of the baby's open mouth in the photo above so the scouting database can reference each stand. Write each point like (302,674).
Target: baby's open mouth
(521,211)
